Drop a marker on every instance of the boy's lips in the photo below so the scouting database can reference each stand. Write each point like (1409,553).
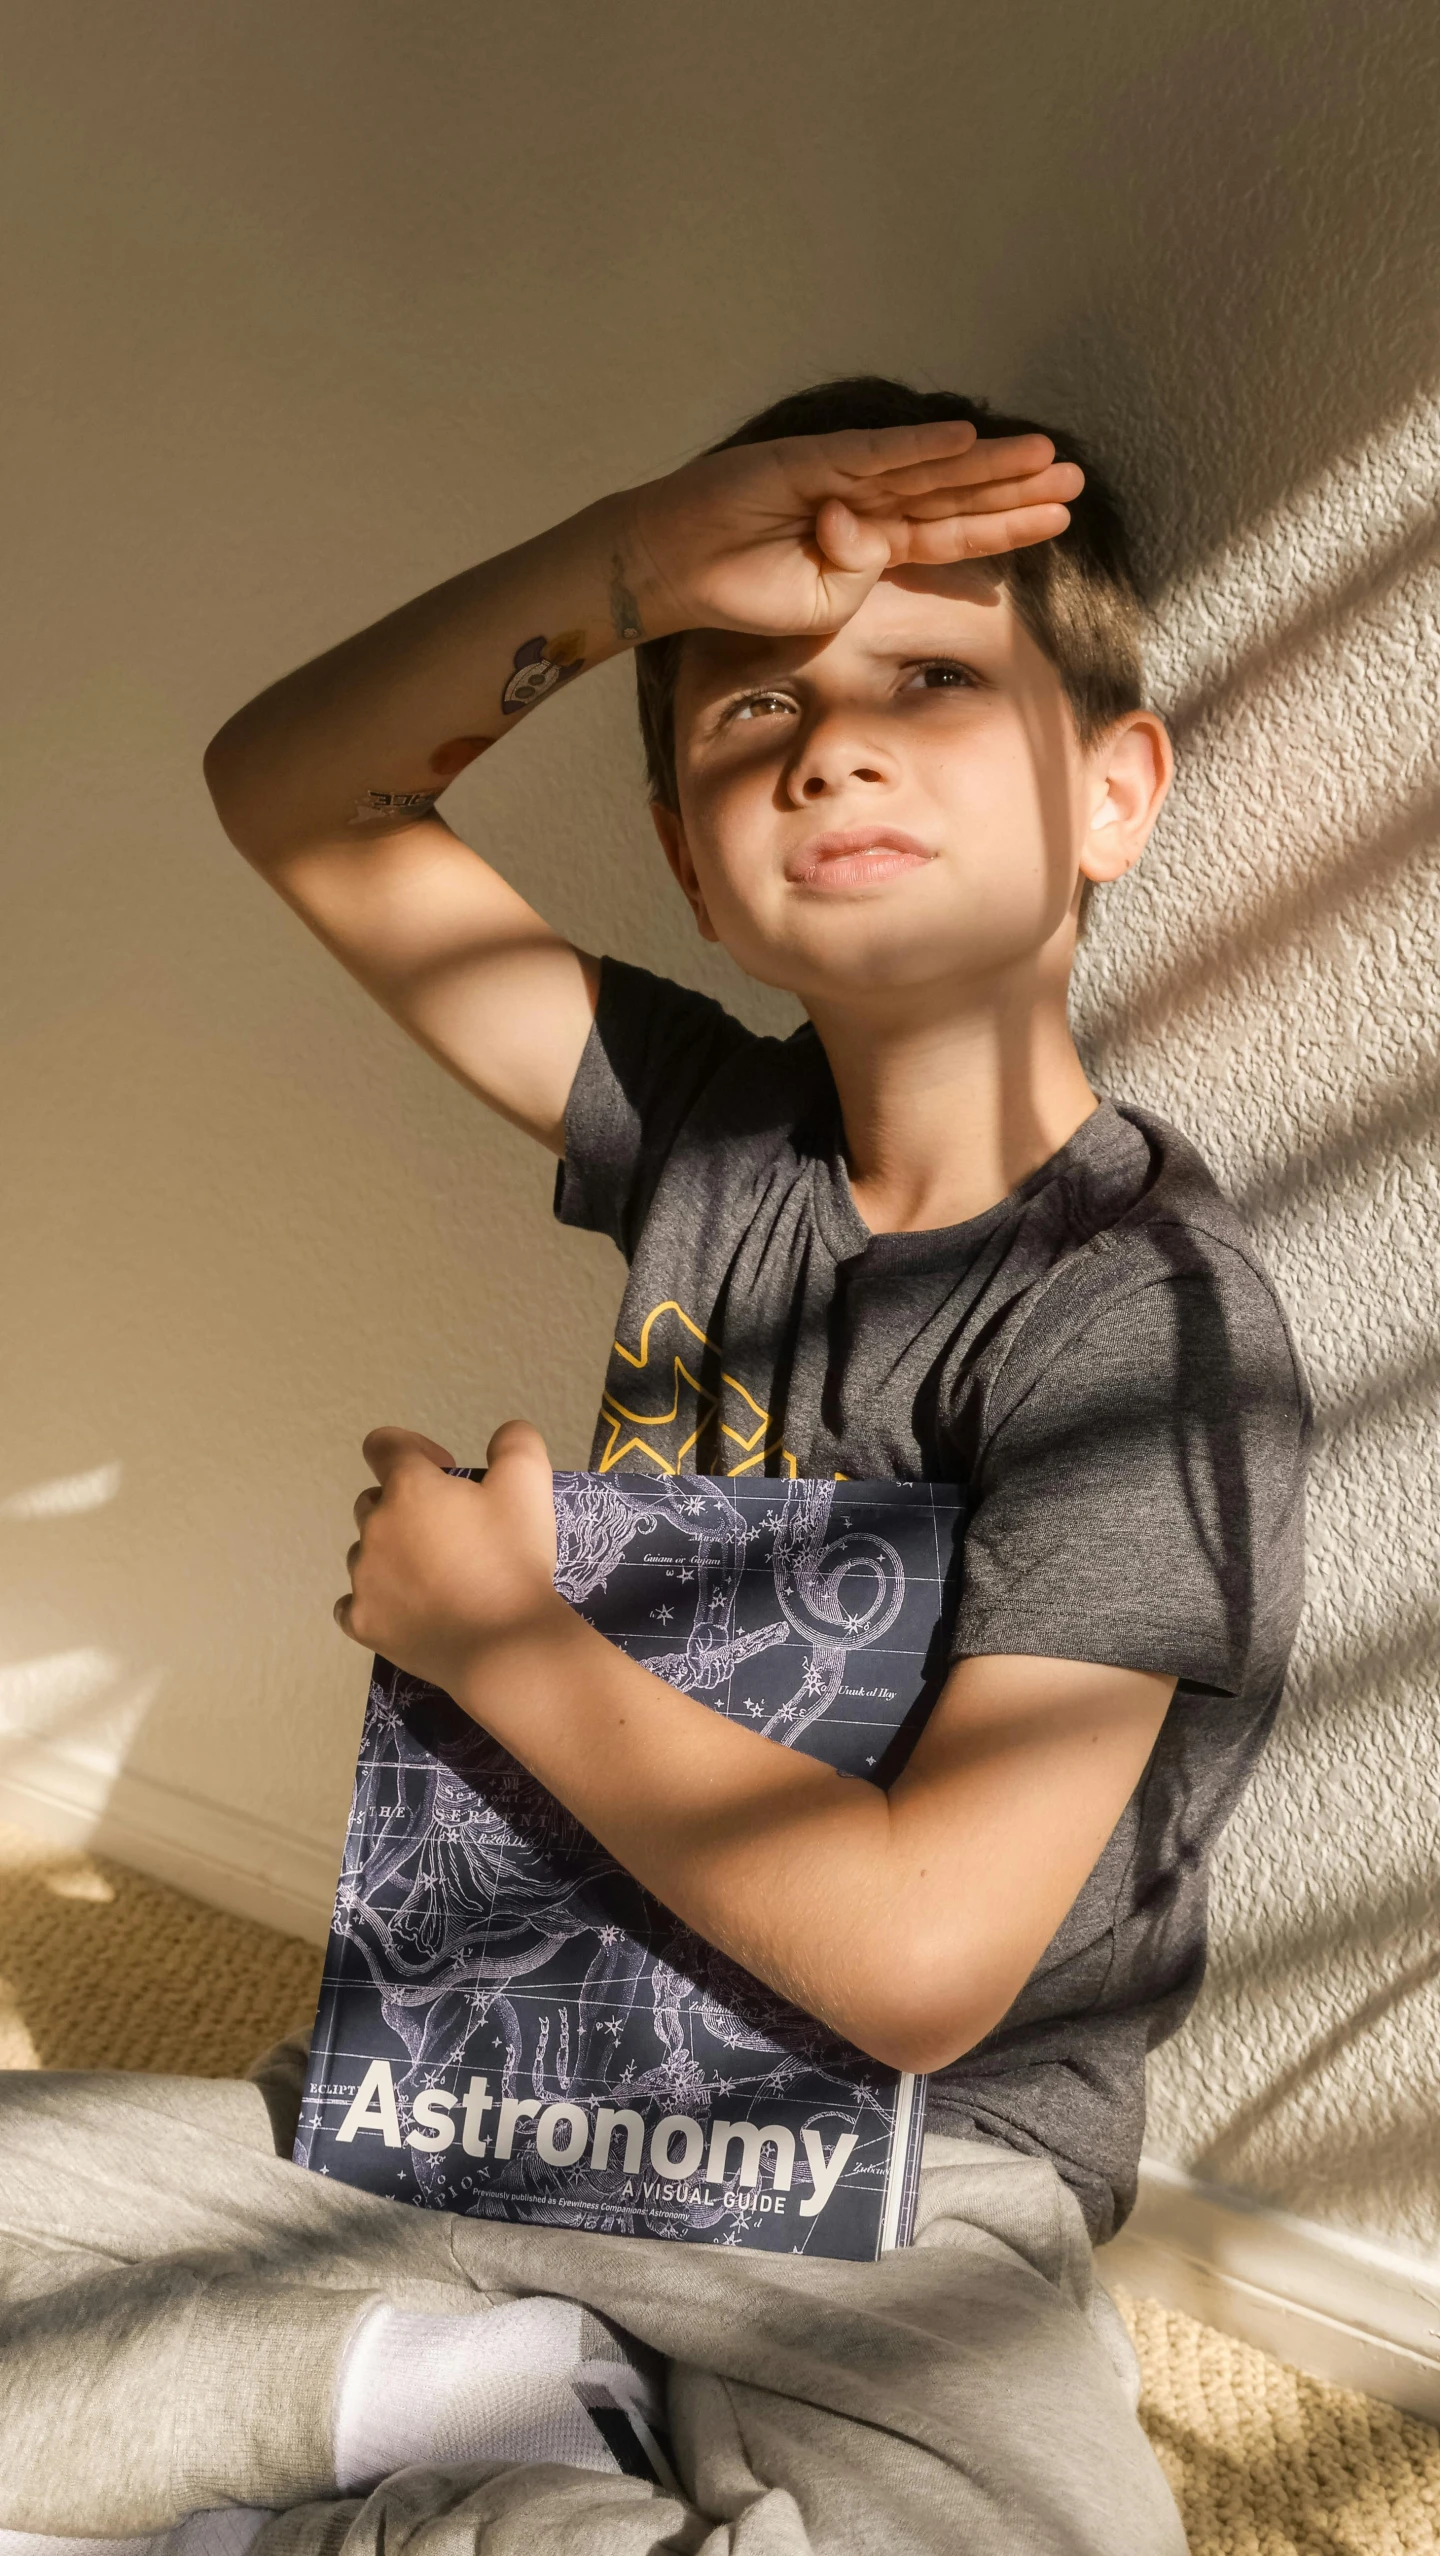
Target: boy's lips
(861,857)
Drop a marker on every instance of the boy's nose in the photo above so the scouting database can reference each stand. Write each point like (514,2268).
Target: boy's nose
(815,784)
(832,757)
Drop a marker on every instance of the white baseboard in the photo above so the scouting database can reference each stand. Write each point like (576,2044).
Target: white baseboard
(1344,2308)
(224,1857)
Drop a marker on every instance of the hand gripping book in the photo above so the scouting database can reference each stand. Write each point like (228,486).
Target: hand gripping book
(509,2025)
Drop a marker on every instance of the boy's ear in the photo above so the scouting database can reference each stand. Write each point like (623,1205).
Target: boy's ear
(677,853)
(1128,776)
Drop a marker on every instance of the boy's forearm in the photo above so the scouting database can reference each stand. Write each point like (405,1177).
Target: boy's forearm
(357,740)
(906,1919)
(794,1871)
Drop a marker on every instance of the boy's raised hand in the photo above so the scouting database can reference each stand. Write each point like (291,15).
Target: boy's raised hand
(791,536)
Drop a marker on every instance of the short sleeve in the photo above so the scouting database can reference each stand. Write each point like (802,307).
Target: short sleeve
(1140,1501)
(652,1050)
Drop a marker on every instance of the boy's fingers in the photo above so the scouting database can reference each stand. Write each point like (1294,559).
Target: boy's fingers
(385,1449)
(1057,486)
(990,457)
(519,1460)
(517,1441)
(848,542)
(879,448)
(981,536)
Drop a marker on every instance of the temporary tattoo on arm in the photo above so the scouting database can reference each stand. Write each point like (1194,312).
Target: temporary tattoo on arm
(624,610)
(379,807)
(541,665)
(449,759)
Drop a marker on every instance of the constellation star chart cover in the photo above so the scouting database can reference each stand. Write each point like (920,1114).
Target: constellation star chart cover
(509,2025)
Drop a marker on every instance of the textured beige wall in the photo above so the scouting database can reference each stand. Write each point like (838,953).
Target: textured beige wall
(308,307)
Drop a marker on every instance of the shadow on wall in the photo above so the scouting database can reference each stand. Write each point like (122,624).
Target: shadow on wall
(1268,981)
(1271,986)
(1248,292)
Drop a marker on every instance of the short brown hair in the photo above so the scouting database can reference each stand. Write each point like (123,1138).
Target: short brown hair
(1076,595)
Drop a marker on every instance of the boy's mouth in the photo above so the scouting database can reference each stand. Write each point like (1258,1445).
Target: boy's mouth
(864,856)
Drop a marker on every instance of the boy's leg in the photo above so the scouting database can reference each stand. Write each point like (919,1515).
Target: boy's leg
(963,2394)
(179,2300)
(186,2320)
(175,2300)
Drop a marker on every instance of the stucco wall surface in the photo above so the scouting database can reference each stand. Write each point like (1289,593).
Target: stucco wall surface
(306,308)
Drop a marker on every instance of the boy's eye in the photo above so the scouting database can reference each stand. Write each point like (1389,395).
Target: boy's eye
(940,673)
(761,705)
(934,674)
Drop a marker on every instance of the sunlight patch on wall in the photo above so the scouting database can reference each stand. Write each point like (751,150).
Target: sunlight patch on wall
(1335,539)
(87,1701)
(1299,667)
(68,1496)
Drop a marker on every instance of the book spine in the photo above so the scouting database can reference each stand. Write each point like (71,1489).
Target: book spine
(898,2217)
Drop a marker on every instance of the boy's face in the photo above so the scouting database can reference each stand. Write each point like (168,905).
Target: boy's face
(902,805)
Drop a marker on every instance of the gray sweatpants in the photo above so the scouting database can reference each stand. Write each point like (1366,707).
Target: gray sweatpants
(175,2300)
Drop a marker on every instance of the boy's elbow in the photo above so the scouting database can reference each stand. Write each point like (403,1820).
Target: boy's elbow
(229,766)
(920,2035)
(917,2051)
(920,2016)
(220,766)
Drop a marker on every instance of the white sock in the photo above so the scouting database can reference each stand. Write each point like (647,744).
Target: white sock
(537,2381)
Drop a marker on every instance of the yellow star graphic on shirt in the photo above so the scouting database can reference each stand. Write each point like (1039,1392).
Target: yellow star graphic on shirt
(633,1433)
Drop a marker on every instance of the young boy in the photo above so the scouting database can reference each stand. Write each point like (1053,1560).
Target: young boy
(890,693)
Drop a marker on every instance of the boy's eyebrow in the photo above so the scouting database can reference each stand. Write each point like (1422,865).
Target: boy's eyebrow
(774,658)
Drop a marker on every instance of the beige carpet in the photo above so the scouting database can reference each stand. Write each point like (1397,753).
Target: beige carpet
(100,1968)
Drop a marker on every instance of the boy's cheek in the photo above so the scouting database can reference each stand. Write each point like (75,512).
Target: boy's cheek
(738,858)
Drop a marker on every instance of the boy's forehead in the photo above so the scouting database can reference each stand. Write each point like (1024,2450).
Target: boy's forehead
(906,603)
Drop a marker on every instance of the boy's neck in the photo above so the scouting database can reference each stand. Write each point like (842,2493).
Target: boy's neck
(949,1105)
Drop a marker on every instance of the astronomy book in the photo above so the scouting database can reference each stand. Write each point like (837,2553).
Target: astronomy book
(509,2025)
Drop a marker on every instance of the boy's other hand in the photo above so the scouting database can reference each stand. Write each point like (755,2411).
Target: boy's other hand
(791,536)
(445,1569)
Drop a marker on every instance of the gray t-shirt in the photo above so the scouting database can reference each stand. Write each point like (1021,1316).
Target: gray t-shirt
(1099,1360)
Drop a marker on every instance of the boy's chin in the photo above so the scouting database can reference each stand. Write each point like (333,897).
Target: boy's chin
(876,973)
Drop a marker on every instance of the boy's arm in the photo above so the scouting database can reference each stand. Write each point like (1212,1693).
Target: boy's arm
(327,782)
(908,1920)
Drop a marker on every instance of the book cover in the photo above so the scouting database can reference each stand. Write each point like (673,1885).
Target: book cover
(509,2025)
